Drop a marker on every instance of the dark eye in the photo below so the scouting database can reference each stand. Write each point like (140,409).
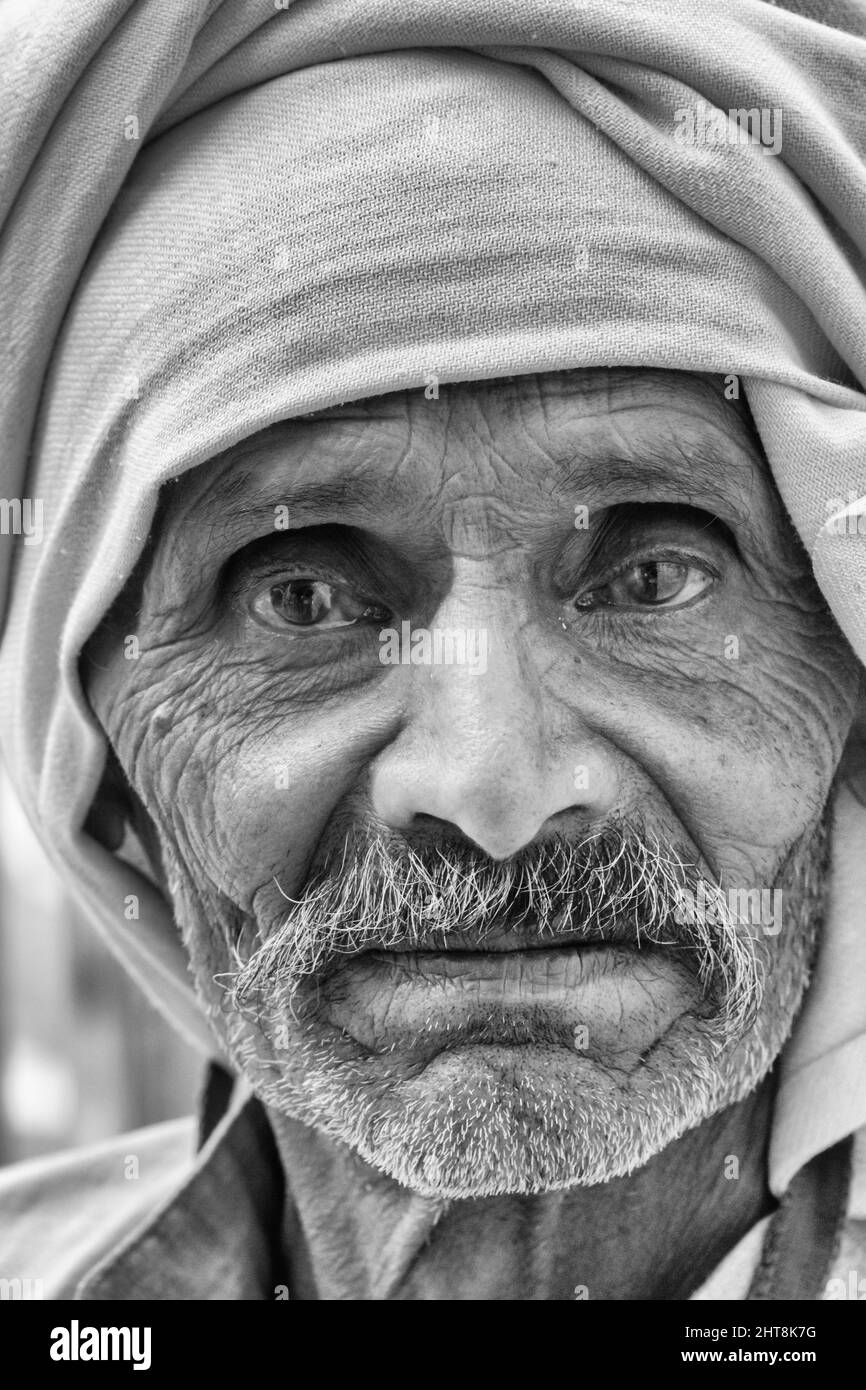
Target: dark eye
(650,584)
(313,604)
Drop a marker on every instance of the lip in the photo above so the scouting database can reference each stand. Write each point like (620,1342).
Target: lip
(512,939)
(518,965)
(420,1002)
(513,977)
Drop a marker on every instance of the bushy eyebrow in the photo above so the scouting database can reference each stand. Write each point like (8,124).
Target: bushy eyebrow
(324,499)
(700,474)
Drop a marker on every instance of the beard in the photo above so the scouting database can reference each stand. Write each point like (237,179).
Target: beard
(507,1101)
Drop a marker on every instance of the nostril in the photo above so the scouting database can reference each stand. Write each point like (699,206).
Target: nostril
(425,830)
(422,822)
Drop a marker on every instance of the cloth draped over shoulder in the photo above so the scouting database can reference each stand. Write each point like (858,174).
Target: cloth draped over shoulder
(221,214)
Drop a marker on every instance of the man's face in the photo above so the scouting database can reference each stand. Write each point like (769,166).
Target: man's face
(440,705)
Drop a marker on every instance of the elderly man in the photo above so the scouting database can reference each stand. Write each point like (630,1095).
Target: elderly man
(441,673)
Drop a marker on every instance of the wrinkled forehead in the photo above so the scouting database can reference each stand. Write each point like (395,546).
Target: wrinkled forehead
(527,433)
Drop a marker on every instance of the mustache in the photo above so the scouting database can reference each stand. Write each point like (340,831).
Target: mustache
(619,884)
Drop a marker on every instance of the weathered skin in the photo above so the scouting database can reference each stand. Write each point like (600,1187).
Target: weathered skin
(250,749)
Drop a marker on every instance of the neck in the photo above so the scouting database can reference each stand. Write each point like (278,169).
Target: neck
(657,1234)
(654,1235)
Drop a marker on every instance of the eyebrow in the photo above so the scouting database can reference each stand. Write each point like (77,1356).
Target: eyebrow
(318,498)
(722,481)
(239,509)
(705,465)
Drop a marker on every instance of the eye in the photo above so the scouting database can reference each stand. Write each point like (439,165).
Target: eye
(308,604)
(662,583)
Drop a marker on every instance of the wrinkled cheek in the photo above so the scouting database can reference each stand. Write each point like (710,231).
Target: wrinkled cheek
(271,797)
(209,924)
(755,769)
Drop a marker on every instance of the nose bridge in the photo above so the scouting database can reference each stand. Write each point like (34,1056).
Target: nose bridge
(483,746)
(479,706)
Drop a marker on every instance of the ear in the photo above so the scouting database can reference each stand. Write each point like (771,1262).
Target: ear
(117,813)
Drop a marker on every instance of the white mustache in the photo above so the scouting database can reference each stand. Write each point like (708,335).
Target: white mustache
(617,884)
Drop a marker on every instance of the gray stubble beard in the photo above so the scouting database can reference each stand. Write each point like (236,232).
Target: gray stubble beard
(511,1129)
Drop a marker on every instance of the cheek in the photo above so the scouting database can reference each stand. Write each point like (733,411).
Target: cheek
(756,772)
(741,740)
(767,740)
(242,779)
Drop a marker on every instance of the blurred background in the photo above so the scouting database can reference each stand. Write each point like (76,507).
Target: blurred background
(83,1056)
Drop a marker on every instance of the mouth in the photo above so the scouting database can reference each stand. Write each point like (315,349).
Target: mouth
(514,963)
(514,988)
(509,939)
(514,973)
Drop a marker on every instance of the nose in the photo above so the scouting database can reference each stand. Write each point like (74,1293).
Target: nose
(492,752)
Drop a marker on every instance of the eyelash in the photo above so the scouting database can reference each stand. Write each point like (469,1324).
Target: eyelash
(645,557)
(329,643)
(289,570)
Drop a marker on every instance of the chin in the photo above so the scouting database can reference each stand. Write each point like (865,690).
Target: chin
(487,1119)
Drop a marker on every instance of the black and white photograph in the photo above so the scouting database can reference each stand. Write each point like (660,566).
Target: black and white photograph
(432,692)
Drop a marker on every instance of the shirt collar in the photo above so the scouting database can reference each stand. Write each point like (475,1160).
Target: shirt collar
(219,1235)
(354,1232)
(215,1237)
(822,1089)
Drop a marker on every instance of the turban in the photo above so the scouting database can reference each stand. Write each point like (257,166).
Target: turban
(218,215)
